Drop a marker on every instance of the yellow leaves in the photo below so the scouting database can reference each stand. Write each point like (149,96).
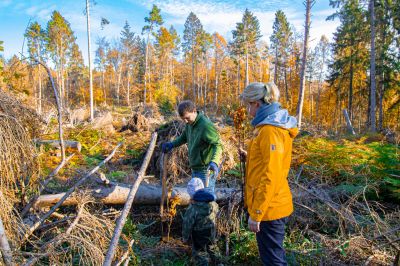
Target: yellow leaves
(239,117)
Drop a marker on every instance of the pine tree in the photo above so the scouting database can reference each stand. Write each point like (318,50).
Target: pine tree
(280,43)
(246,35)
(350,56)
(60,38)
(35,36)
(193,29)
(153,20)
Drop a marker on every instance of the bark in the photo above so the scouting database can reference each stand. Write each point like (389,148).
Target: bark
(117,194)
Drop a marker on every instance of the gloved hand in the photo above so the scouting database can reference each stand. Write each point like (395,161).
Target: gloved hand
(167,147)
(213,167)
(253,225)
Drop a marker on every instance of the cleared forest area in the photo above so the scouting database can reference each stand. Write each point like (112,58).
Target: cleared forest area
(83,180)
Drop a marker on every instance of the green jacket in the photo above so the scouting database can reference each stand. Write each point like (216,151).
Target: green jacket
(199,216)
(203,141)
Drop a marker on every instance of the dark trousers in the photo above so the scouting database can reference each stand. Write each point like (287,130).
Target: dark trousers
(203,247)
(270,242)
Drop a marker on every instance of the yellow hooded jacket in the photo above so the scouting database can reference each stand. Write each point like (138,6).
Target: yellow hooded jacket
(267,192)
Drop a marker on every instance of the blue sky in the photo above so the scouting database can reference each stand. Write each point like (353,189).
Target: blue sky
(215,15)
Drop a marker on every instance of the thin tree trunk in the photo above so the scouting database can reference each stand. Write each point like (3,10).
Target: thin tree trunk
(372,71)
(90,61)
(309,4)
(119,82)
(146,67)
(287,98)
(124,214)
(247,66)
(276,66)
(350,105)
(193,83)
(128,90)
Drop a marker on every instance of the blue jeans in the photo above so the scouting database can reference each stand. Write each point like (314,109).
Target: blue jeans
(270,242)
(202,174)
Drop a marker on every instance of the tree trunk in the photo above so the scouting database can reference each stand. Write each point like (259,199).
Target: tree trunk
(117,194)
(372,71)
(350,105)
(238,78)
(276,66)
(119,82)
(129,201)
(146,67)
(128,89)
(193,82)
(90,62)
(348,122)
(287,98)
(309,4)
(247,66)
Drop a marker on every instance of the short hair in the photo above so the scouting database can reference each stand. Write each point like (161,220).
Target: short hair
(267,93)
(186,107)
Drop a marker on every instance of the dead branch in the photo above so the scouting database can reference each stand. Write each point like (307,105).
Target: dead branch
(126,254)
(5,247)
(44,184)
(128,204)
(67,194)
(60,130)
(331,205)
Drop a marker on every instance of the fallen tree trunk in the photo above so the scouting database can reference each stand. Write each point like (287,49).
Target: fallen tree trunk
(56,143)
(117,194)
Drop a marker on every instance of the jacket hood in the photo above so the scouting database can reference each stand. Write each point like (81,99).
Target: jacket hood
(203,195)
(274,115)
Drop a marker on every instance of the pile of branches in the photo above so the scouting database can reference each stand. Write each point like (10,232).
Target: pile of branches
(27,118)
(18,161)
(351,229)
(29,237)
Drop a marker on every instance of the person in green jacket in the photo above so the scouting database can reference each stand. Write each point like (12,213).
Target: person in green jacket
(203,142)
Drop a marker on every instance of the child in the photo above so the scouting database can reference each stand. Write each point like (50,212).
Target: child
(199,222)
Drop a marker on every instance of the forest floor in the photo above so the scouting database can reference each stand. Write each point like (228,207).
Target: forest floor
(346,192)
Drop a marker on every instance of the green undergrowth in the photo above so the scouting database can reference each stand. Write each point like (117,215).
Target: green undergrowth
(350,165)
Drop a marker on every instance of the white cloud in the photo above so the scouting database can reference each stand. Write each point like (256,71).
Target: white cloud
(5,3)
(222,16)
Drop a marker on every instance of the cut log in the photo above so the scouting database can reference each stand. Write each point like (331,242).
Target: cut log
(117,194)
(56,143)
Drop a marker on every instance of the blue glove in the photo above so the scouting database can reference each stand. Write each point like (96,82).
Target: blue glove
(167,147)
(213,167)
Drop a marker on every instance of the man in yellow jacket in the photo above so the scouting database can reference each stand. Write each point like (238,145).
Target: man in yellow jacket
(267,193)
